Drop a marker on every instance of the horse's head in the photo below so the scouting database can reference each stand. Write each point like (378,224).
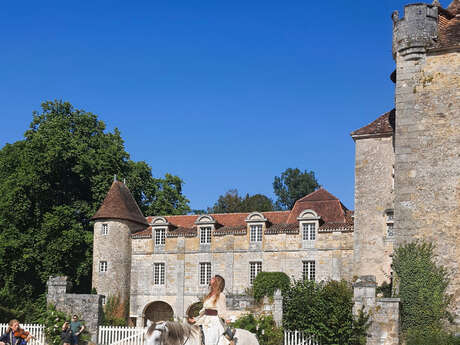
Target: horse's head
(156,333)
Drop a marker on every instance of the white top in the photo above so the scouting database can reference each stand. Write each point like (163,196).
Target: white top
(220,306)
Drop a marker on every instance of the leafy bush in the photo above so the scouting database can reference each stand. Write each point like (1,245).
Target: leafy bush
(263,326)
(266,283)
(53,321)
(430,336)
(422,288)
(115,312)
(7,314)
(326,311)
(385,289)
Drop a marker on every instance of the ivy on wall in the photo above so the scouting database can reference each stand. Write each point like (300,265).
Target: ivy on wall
(421,285)
(266,283)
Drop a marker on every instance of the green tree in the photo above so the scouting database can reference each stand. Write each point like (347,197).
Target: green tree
(232,202)
(51,183)
(257,202)
(326,311)
(266,283)
(292,185)
(422,287)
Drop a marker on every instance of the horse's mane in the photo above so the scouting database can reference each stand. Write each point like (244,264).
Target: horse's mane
(177,333)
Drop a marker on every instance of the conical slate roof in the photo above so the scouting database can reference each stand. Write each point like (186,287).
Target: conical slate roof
(120,204)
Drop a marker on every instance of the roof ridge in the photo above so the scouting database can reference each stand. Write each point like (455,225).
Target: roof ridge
(210,214)
(320,189)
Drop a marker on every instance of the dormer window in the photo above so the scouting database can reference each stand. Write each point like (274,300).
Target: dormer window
(205,224)
(256,232)
(389,215)
(256,221)
(205,235)
(308,231)
(160,237)
(308,224)
(159,227)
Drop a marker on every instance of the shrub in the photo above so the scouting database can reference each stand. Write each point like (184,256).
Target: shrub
(115,312)
(430,336)
(53,320)
(263,326)
(422,288)
(7,314)
(326,311)
(266,283)
(385,289)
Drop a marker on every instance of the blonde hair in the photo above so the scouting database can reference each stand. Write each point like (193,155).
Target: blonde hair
(216,288)
(11,323)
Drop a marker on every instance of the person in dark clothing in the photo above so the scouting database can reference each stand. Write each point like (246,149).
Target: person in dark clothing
(66,334)
(9,338)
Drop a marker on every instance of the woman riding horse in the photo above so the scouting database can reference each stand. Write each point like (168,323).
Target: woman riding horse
(214,309)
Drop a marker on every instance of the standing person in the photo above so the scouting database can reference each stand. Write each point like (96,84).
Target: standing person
(214,309)
(14,334)
(77,327)
(66,334)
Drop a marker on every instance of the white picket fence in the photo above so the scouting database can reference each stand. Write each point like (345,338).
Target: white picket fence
(38,331)
(299,338)
(109,335)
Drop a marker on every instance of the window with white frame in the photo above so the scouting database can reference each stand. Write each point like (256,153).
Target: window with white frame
(159,273)
(205,273)
(205,235)
(102,266)
(308,231)
(256,233)
(308,270)
(255,268)
(389,214)
(105,229)
(160,237)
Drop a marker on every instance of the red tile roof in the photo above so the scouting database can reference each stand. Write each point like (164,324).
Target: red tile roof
(120,204)
(449,26)
(382,126)
(334,217)
(454,7)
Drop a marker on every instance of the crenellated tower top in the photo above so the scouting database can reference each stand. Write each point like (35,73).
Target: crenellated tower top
(416,31)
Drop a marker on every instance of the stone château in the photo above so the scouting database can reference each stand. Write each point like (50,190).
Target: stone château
(407,187)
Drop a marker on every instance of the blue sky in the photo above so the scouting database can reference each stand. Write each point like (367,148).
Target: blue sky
(223,94)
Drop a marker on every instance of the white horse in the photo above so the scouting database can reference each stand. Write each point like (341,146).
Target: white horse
(177,333)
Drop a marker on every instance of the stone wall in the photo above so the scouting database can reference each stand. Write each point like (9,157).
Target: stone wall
(384,312)
(87,307)
(230,256)
(427,203)
(373,196)
(114,247)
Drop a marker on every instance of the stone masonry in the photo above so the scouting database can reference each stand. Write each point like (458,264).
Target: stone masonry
(130,251)
(384,312)
(373,245)
(87,307)
(427,150)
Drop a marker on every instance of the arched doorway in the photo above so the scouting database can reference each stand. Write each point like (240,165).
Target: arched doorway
(194,309)
(158,311)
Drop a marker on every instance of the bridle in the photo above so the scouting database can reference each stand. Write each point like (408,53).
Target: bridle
(164,329)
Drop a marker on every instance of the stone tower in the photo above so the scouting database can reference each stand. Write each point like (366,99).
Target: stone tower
(117,218)
(374,196)
(426,48)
